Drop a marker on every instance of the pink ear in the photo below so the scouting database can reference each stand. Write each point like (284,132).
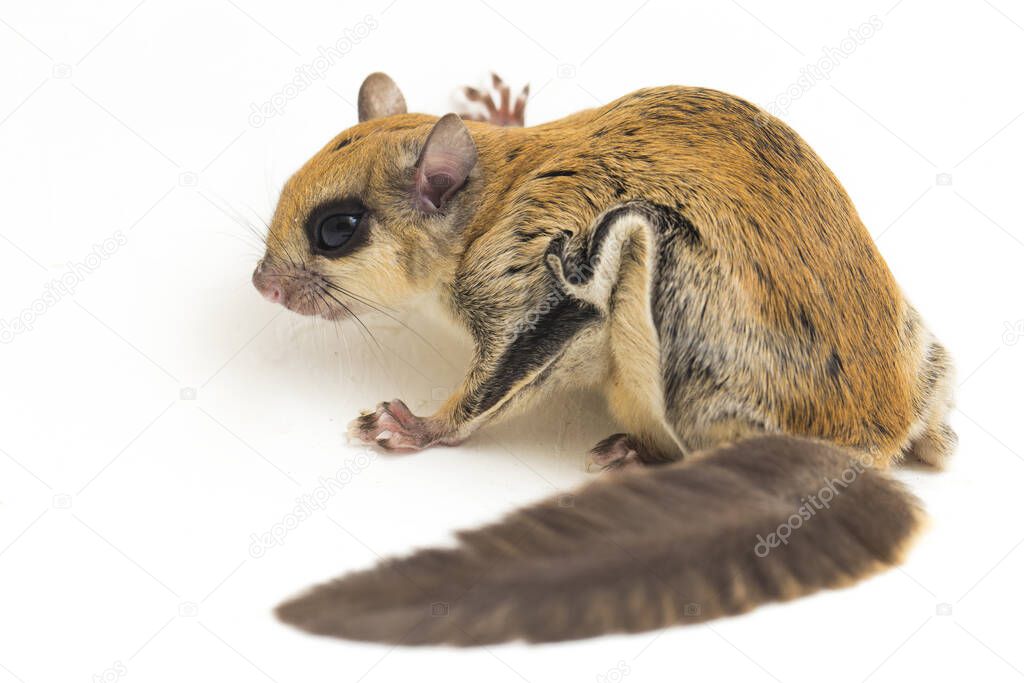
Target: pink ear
(447,158)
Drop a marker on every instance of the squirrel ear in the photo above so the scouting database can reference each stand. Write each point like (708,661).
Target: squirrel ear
(379,96)
(448,156)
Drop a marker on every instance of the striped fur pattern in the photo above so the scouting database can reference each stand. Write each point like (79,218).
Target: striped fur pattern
(680,251)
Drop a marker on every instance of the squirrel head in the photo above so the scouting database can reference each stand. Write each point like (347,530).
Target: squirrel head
(376,216)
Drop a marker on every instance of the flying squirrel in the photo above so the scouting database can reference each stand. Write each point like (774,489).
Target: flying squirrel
(689,256)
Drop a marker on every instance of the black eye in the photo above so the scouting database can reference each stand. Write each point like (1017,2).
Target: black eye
(335,230)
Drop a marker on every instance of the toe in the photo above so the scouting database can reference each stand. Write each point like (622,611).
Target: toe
(400,411)
(615,452)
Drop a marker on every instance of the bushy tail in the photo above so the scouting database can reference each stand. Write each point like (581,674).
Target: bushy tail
(771,518)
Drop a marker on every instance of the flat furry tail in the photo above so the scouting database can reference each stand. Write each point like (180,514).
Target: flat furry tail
(771,518)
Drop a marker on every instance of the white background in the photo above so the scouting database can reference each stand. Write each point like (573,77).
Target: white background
(128,508)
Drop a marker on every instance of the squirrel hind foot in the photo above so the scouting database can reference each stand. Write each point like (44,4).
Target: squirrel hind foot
(620,452)
(934,446)
(506,112)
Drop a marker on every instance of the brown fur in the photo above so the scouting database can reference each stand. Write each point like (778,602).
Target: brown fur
(678,249)
(632,552)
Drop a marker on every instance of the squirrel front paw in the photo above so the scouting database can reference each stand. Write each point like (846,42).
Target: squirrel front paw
(393,427)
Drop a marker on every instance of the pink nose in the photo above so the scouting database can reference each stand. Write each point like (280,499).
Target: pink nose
(272,293)
(270,289)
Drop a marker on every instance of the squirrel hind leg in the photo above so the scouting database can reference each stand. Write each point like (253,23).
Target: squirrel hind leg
(933,440)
